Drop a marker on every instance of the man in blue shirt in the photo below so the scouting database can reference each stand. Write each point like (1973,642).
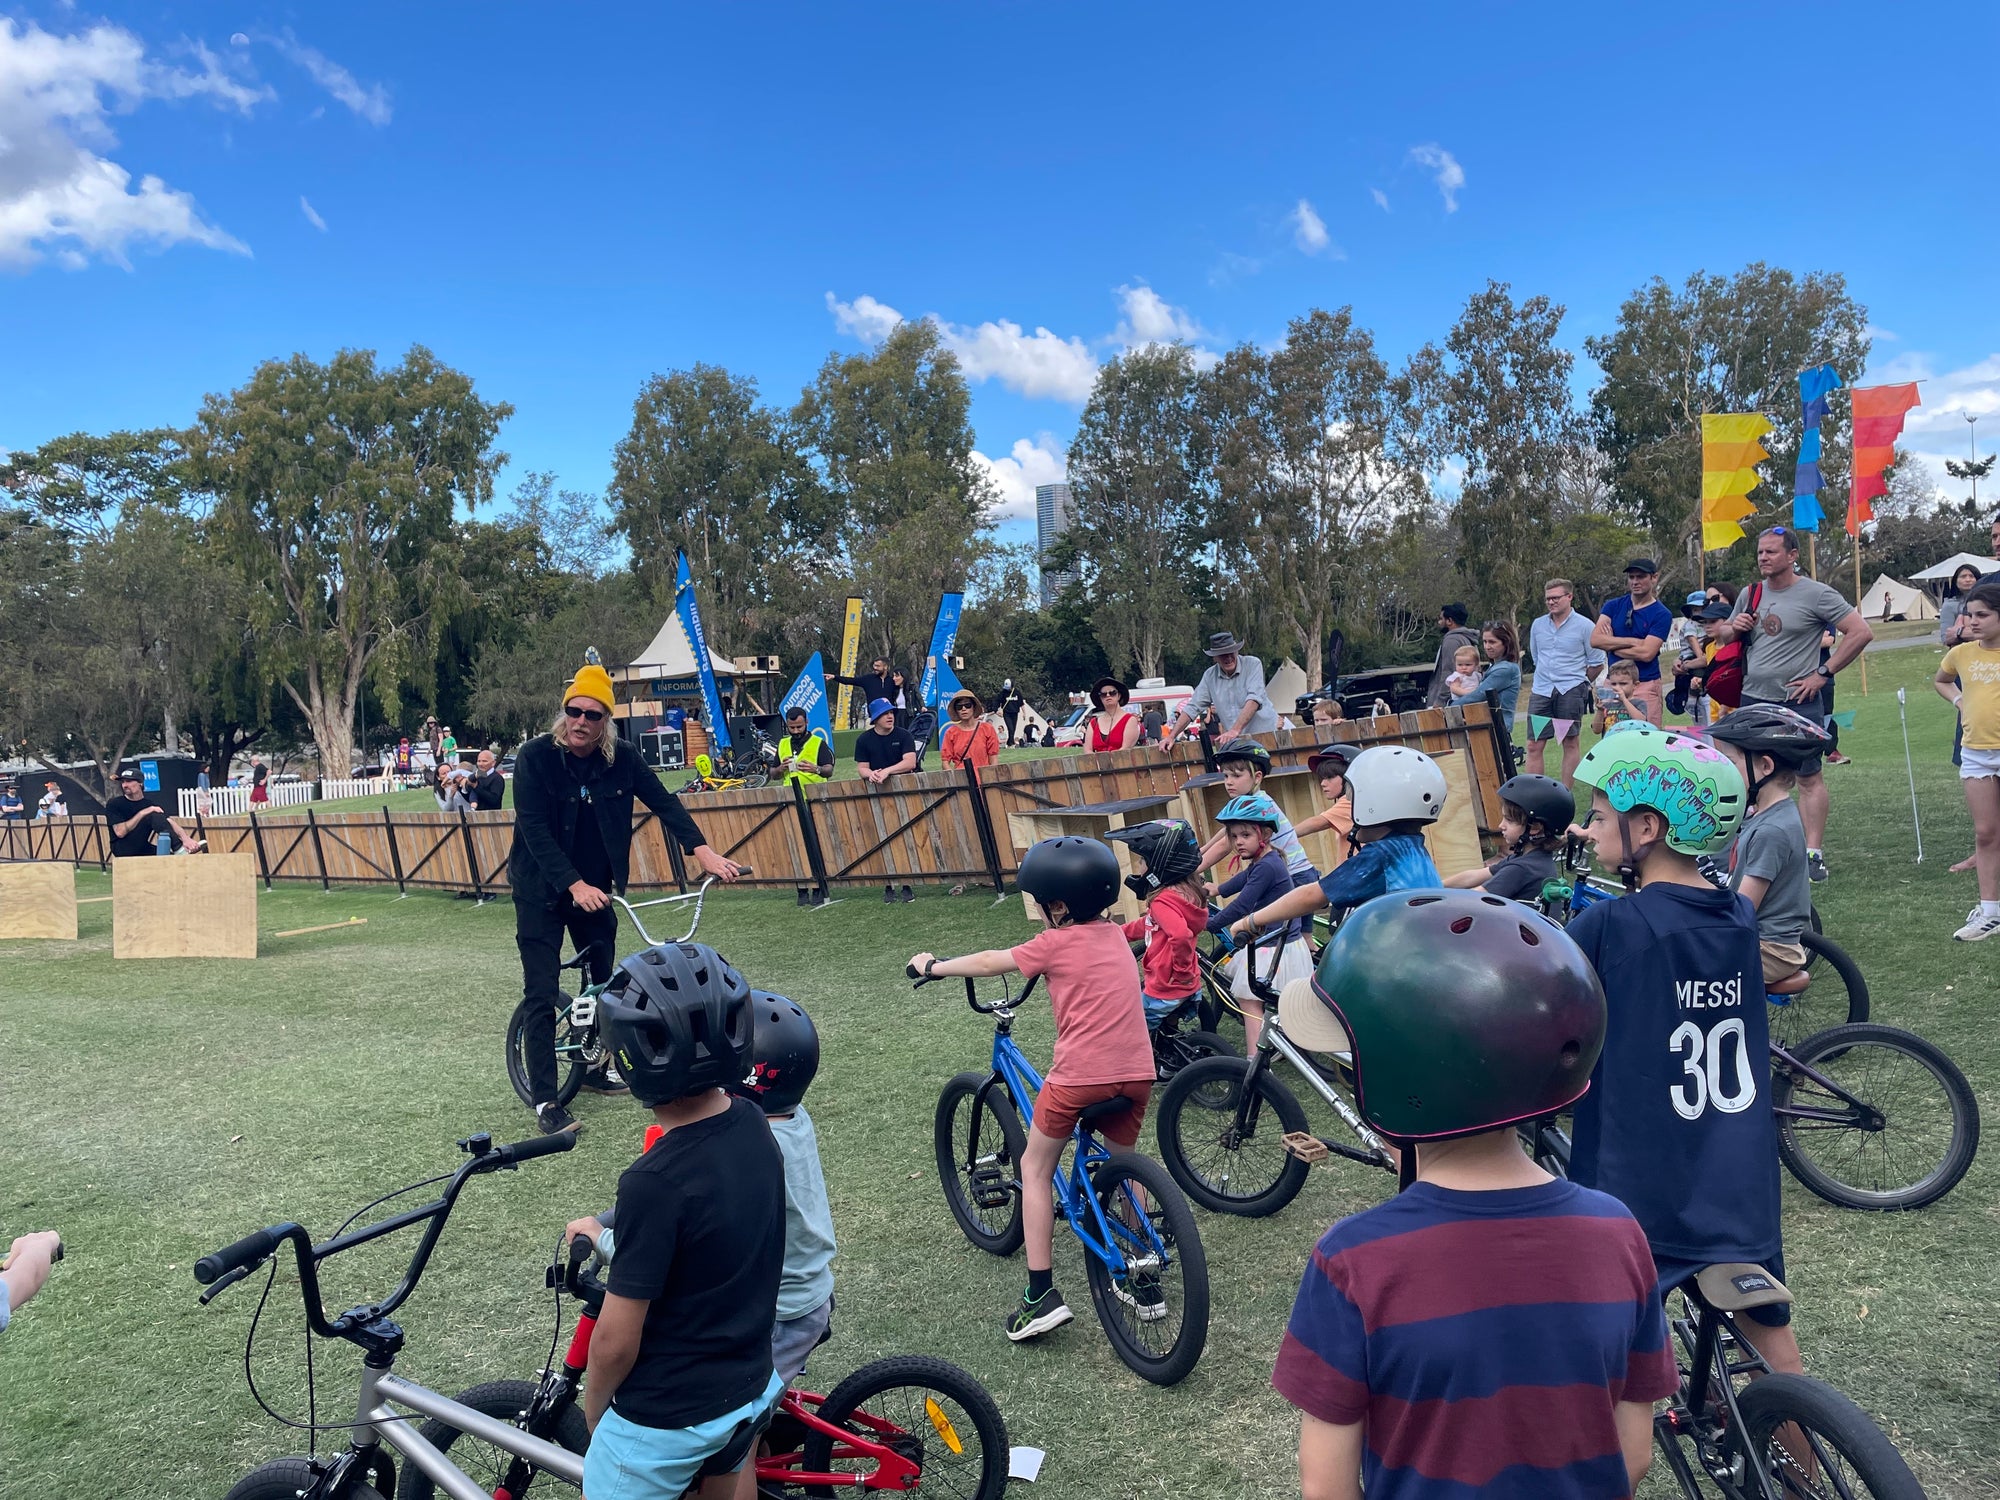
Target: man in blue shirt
(1559,646)
(1634,627)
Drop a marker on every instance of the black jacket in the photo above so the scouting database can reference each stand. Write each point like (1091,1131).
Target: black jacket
(489,792)
(547,803)
(872,687)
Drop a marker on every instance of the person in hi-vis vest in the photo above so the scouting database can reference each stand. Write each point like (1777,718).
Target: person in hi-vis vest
(805,757)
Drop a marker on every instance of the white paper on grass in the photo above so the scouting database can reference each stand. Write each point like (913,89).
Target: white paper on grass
(1025,1463)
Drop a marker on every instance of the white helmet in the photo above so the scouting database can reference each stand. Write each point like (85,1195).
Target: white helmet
(1392,783)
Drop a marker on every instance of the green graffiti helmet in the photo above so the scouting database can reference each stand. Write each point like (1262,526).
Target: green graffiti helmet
(1467,1012)
(1690,783)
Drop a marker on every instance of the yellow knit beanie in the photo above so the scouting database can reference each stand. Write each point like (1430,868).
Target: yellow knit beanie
(591,681)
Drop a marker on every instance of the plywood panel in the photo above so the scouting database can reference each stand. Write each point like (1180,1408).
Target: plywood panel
(37,901)
(1454,838)
(199,906)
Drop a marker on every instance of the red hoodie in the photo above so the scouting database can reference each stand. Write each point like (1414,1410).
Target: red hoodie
(1169,971)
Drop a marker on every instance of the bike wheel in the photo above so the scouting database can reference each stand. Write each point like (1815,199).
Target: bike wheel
(1909,1140)
(1173,1051)
(286,1479)
(757,775)
(979,1150)
(1156,1313)
(575,1051)
(1813,1442)
(1229,1170)
(930,1412)
(1837,996)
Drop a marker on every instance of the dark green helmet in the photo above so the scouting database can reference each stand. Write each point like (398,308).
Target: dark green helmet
(1467,1012)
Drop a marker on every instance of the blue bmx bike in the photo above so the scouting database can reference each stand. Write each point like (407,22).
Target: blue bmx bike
(1142,1253)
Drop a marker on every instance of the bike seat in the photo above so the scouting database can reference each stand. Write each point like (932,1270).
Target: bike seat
(1792,984)
(1096,1114)
(1737,1286)
(730,1456)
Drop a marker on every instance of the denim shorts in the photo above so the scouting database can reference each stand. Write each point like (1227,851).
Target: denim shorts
(1157,1010)
(628,1461)
(1673,1272)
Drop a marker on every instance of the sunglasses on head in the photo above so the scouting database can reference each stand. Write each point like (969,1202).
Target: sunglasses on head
(593,715)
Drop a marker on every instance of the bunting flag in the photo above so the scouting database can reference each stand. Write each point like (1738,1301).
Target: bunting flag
(1814,385)
(1878,422)
(1845,719)
(1537,724)
(1730,453)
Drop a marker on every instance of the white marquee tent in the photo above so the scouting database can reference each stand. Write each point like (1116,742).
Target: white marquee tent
(670,660)
(1887,599)
(1941,572)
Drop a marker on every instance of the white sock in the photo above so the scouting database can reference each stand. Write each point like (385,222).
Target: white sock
(1989,908)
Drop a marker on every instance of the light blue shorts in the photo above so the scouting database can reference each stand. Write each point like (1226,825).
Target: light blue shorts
(1158,1010)
(627,1461)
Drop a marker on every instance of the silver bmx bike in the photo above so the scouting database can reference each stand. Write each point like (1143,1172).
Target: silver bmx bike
(387,1403)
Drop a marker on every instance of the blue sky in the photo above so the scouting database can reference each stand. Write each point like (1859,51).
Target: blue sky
(562,201)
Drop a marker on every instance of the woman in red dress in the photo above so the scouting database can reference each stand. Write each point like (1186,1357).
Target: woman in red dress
(1112,725)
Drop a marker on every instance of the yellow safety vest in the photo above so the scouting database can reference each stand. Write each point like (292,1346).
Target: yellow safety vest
(808,751)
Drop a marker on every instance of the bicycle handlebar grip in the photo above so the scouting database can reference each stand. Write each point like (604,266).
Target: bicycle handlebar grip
(539,1145)
(244,1253)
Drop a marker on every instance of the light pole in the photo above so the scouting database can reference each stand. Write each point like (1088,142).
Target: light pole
(1972,469)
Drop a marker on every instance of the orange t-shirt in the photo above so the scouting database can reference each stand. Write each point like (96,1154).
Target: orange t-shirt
(1093,985)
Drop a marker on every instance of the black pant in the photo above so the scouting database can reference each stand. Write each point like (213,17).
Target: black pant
(538,932)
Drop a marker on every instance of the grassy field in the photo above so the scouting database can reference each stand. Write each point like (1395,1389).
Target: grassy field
(154,1111)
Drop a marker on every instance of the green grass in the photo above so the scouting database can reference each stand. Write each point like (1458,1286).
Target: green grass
(154,1111)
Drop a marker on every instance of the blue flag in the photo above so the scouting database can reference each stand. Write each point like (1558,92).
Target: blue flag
(809,693)
(1813,387)
(690,614)
(938,675)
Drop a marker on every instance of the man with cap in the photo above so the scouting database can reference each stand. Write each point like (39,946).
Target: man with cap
(573,794)
(136,824)
(1634,627)
(884,749)
(1451,621)
(804,756)
(12,808)
(1233,687)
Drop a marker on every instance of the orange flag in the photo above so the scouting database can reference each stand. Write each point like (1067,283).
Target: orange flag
(1878,422)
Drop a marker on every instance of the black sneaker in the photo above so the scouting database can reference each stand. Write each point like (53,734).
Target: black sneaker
(553,1118)
(1815,865)
(888,894)
(1142,1293)
(1033,1319)
(605,1080)
(908,895)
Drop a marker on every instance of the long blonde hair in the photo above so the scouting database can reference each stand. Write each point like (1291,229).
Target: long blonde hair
(607,735)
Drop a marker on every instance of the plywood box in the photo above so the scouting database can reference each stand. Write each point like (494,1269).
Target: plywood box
(196,906)
(37,900)
(1454,837)
(1092,821)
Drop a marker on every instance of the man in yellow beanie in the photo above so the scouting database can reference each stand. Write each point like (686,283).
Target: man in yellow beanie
(573,794)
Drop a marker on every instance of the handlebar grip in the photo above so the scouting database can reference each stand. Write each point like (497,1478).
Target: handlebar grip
(539,1145)
(244,1253)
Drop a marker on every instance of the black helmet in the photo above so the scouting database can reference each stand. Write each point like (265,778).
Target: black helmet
(679,1020)
(1543,798)
(1081,873)
(1168,846)
(784,1058)
(1467,1012)
(1246,749)
(1784,734)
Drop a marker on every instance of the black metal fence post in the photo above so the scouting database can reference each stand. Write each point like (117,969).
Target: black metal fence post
(395,854)
(982,821)
(319,851)
(809,833)
(471,855)
(263,864)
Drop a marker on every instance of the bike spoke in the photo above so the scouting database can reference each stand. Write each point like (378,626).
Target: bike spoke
(1918,1120)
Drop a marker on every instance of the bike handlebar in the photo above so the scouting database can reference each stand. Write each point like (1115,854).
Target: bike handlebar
(229,1265)
(698,896)
(1006,1006)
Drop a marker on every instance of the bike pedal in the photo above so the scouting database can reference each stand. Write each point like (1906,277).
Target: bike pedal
(989,1188)
(1307,1148)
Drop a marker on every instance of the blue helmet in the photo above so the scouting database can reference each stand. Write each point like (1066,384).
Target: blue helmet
(1251,807)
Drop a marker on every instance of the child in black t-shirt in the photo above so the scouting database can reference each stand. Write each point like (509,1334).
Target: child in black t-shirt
(1535,814)
(681,1379)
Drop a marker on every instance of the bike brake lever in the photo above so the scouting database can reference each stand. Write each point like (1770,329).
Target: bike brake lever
(226,1282)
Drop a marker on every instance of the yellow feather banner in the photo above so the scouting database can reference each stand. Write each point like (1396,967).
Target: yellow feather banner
(1726,508)
(1730,453)
(1716,535)
(1735,427)
(1716,483)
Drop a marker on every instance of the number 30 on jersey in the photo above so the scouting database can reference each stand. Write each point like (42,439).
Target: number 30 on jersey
(1717,1066)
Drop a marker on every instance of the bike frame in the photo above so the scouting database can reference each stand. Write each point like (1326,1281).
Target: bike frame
(583,1005)
(1706,1366)
(1076,1203)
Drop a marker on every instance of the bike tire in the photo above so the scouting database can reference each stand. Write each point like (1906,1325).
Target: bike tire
(568,1079)
(1935,1119)
(288,1479)
(506,1400)
(756,776)
(1845,1443)
(1182,1049)
(1164,1350)
(958,1141)
(875,1388)
(1249,1174)
(1837,996)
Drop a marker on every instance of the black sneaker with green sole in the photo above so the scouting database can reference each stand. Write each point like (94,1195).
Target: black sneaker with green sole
(1033,1319)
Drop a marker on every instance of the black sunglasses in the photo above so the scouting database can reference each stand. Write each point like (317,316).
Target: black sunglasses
(594,715)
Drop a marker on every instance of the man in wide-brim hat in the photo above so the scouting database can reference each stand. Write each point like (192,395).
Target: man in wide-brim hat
(1233,687)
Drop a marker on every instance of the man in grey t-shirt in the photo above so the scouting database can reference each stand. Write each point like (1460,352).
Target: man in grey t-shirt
(1780,619)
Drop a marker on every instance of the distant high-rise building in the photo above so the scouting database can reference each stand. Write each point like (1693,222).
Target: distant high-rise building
(1055,512)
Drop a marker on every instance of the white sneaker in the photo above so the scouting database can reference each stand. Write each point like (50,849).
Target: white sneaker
(1977,926)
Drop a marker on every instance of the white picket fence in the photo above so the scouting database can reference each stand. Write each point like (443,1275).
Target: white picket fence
(224,801)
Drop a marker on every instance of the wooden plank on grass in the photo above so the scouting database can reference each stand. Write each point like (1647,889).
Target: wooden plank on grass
(37,901)
(204,906)
(322,927)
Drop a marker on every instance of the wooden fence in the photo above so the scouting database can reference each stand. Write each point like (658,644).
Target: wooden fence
(935,827)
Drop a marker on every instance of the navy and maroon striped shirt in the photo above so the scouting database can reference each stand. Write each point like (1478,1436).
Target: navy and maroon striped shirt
(1484,1338)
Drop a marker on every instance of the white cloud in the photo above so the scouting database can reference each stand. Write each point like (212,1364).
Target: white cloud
(1381,199)
(370,102)
(864,317)
(1040,364)
(59,195)
(1878,335)
(312,214)
(1308,229)
(1150,319)
(1016,475)
(1444,169)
